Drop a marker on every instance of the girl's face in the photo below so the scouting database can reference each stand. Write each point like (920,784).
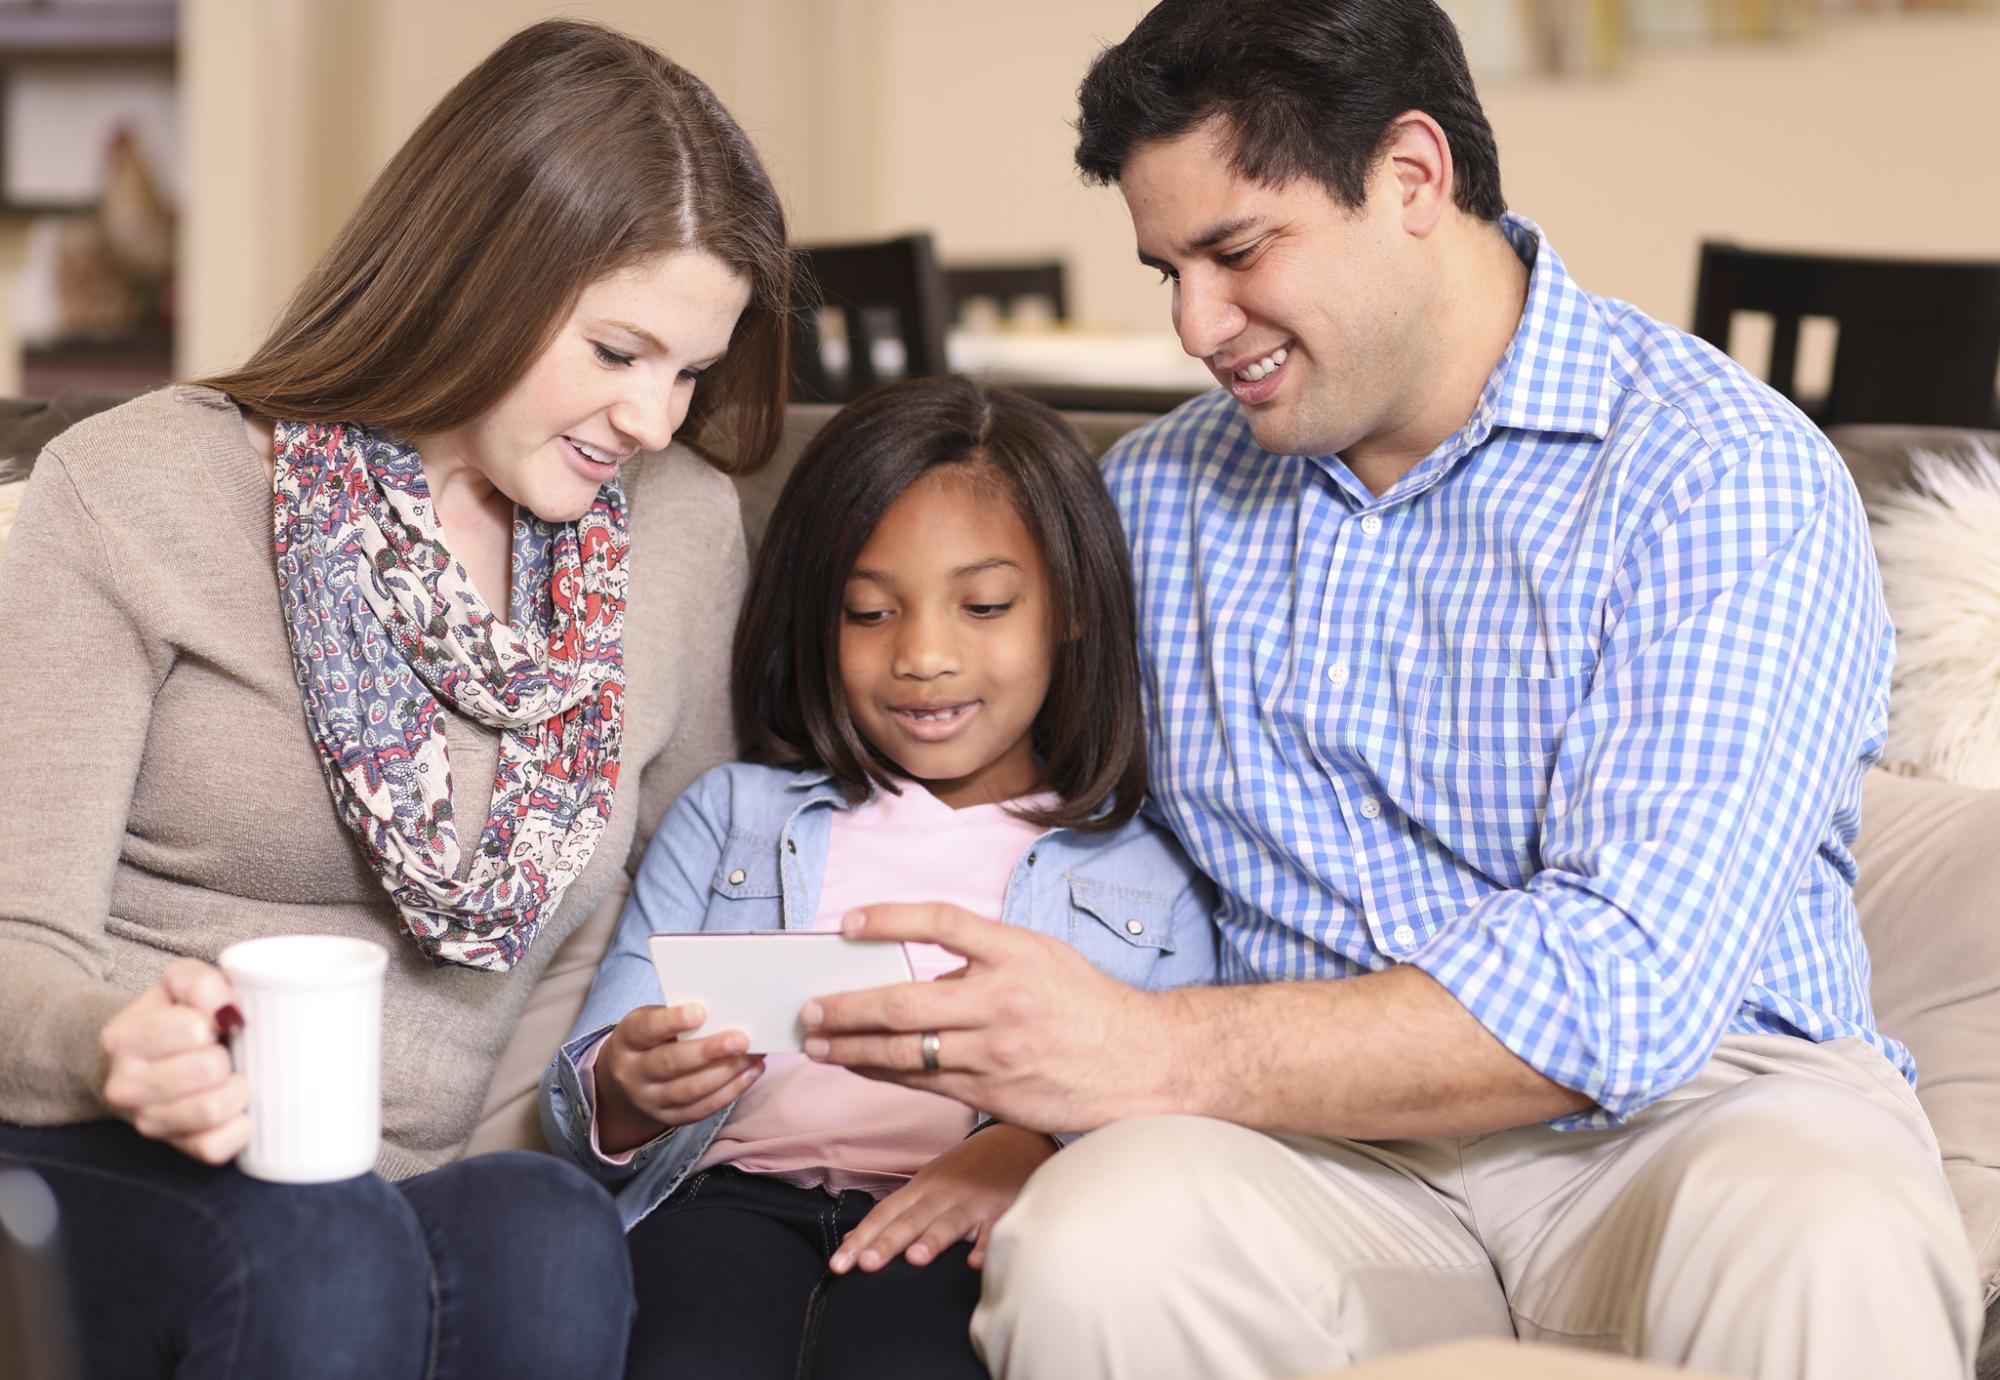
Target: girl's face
(945,642)
(616,379)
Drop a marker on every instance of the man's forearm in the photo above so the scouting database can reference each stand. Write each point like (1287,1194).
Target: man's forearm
(1386,1055)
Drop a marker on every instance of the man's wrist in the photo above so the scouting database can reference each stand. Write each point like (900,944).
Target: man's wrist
(1174,1057)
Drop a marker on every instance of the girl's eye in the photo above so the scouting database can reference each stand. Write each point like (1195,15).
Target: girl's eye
(866,618)
(988,610)
(608,356)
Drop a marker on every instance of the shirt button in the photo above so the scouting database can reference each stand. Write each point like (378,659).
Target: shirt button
(1371,523)
(1337,673)
(736,877)
(1405,936)
(1371,808)
(1134,927)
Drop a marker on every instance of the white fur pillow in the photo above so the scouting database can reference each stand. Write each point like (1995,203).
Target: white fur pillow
(1939,548)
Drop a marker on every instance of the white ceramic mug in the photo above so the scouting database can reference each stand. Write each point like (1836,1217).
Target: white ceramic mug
(311,1047)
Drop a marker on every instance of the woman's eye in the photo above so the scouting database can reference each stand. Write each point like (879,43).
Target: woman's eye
(607,355)
(693,375)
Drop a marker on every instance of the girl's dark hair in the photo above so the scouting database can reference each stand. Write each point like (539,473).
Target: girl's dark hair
(791,709)
(571,152)
(1303,88)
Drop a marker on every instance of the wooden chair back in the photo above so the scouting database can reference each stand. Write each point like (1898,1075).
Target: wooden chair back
(1918,342)
(1007,286)
(890,289)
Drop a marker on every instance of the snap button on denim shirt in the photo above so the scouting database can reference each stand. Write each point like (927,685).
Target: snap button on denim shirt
(745,850)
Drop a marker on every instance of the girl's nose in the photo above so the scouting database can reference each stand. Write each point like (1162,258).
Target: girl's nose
(925,650)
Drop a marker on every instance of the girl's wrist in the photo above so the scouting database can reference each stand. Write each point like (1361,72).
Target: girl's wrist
(1053,1144)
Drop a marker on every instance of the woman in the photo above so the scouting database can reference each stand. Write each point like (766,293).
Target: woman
(384,634)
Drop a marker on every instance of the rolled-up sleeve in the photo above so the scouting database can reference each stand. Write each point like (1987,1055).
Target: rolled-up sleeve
(1740,691)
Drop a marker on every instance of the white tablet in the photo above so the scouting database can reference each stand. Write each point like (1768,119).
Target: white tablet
(757,982)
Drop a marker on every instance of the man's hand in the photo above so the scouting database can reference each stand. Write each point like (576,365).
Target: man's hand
(1028,1032)
(648,1077)
(959,1194)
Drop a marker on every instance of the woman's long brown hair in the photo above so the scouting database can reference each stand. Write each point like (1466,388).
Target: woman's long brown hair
(569,153)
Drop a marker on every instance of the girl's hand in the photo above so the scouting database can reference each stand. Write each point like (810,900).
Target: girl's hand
(170,1074)
(649,1077)
(959,1194)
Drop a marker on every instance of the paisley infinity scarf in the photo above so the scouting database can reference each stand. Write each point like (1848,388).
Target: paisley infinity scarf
(385,625)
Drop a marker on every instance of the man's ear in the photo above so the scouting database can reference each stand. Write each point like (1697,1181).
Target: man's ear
(1417,157)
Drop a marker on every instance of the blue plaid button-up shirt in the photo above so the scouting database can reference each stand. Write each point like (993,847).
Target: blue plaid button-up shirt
(1573,718)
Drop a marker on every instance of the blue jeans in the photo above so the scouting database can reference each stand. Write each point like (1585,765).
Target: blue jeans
(500,1265)
(733,1285)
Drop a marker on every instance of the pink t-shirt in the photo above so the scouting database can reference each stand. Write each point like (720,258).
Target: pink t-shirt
(820,1126)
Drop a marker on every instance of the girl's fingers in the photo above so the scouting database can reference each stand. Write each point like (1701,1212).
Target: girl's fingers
(896,1236)
(195,1113)
(678,1058)
(702,1080)
(683,1113)
(867,1232)
(135,1083)
(946,1230)
(976,1258)
(646,1027)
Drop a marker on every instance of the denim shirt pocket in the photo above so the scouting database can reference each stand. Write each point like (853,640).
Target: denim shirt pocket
(746,888)
(1484,748)
(1121,930)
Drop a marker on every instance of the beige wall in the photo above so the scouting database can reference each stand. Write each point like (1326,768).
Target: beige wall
(877,116)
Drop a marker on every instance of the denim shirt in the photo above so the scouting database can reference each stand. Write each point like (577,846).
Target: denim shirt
(745,849)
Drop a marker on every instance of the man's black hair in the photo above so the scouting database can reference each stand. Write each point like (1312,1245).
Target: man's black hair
(1303,88)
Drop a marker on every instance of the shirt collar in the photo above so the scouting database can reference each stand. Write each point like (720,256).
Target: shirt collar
(1556,374)
(820,784)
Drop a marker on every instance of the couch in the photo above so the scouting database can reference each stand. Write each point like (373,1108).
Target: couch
(1929,897)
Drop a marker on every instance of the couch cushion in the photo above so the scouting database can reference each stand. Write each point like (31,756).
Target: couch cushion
(1929,901)
(28,424)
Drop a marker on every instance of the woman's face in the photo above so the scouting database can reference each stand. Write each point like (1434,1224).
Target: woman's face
(616,379)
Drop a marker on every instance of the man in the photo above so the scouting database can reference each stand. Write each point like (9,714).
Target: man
(1513,662)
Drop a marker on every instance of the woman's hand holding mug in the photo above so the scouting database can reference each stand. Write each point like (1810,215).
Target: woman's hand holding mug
(170,1073)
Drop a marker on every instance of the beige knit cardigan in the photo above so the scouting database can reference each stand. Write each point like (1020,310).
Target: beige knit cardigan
(159,794)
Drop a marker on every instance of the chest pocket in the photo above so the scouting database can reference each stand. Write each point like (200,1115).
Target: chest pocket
(1483,749)
(1121,931)
(745,890)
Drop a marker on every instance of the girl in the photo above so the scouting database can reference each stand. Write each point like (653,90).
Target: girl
(936,673)
(390,633)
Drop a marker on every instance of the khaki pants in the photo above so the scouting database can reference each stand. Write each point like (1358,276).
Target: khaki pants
(1781,1215)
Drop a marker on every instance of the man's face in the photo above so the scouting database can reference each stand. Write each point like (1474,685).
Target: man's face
(1308,312)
